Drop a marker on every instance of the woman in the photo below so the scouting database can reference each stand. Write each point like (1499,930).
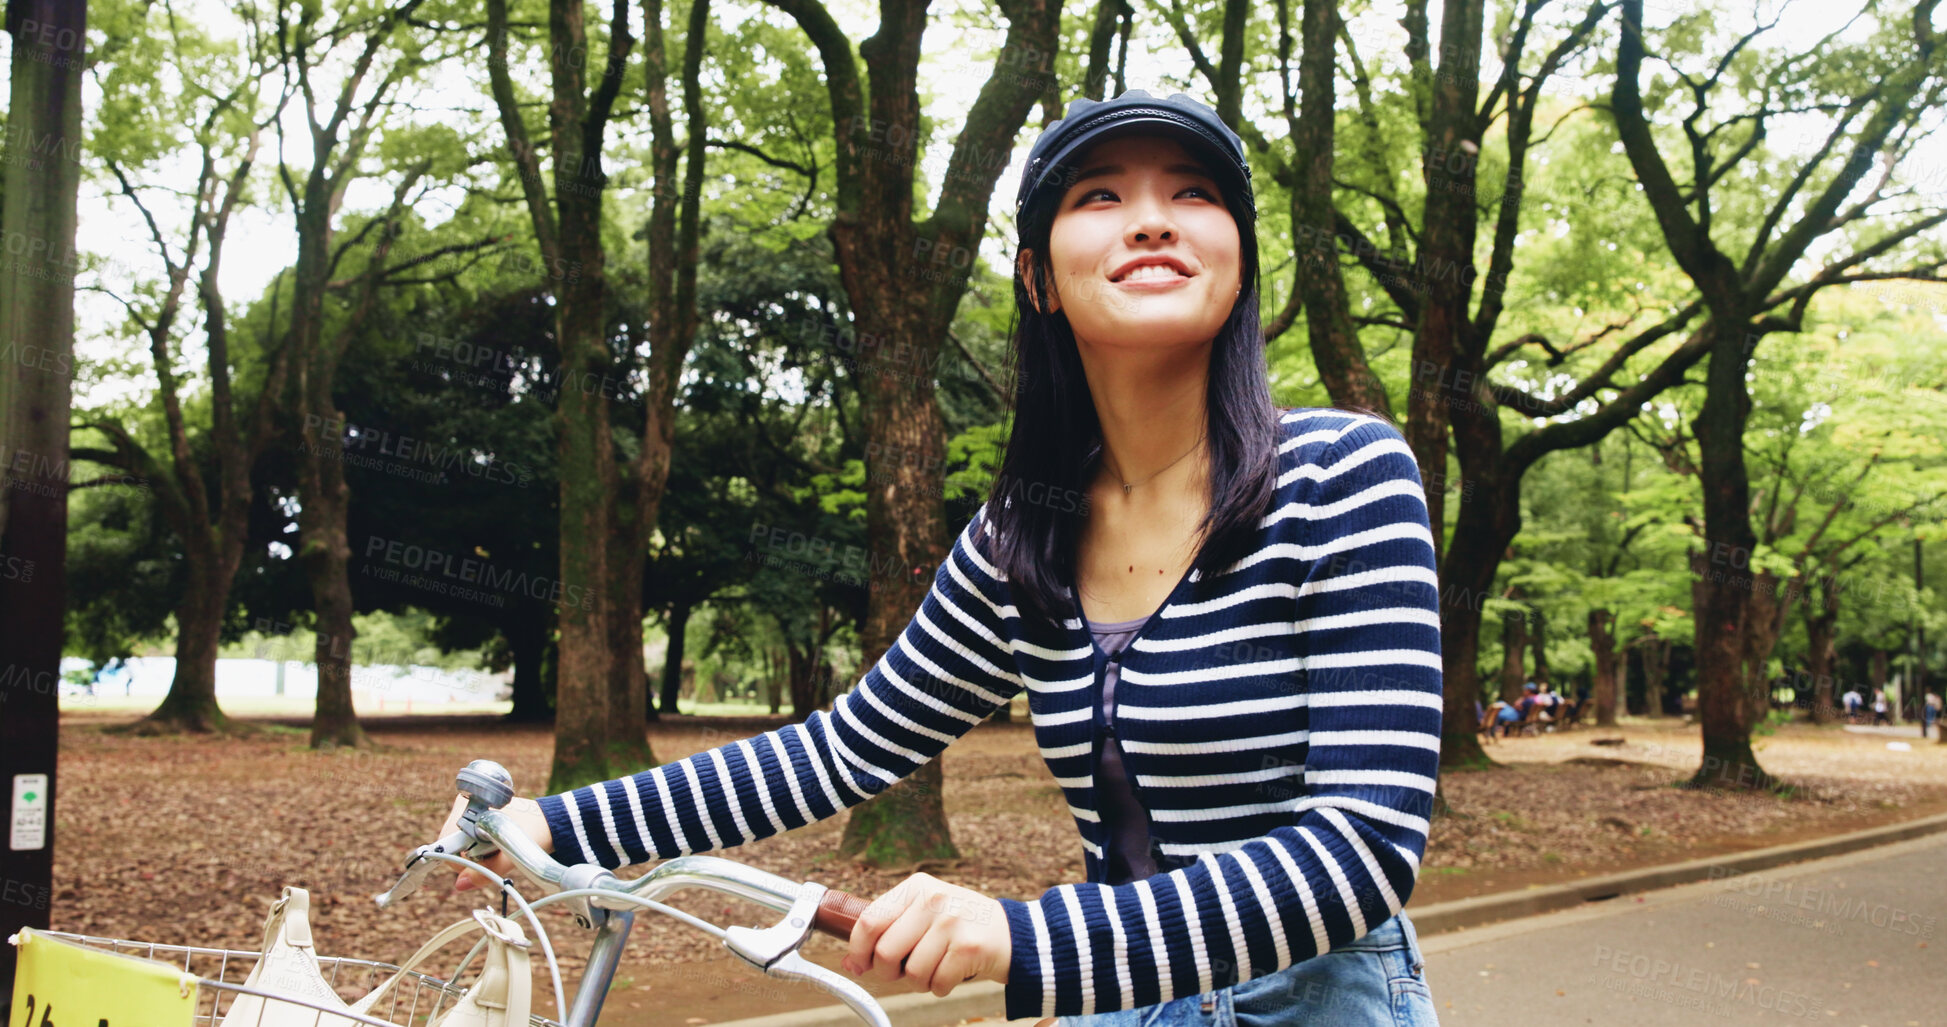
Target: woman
(1230,646)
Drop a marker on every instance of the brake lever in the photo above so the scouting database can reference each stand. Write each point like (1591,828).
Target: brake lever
(763,947)
(793,967)
(774,950)
(421,863)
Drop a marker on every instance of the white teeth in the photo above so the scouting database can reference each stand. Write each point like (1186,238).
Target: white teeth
(1152,271)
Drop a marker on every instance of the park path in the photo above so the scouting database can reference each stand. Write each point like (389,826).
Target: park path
(1855,940)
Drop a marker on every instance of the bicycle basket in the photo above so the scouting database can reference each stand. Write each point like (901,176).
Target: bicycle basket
(220,972)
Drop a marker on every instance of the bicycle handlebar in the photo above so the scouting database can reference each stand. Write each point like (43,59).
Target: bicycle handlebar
(808,906)
(488,782)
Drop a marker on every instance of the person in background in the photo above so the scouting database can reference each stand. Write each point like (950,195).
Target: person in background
(1507,718)
(1881,703)
(1498,718)
(1529,697)
(1852,702)
(1931,712)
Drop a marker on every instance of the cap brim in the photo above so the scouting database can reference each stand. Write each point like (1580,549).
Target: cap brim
(1061,166)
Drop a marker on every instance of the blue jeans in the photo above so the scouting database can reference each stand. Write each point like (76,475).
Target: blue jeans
(1376,981)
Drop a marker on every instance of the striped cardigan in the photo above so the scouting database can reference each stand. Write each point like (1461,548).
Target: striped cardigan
(1280,722)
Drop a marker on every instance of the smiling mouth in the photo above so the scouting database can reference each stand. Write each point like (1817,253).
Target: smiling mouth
(1151,272)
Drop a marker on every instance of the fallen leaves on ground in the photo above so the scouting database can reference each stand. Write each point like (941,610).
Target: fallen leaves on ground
(189,840)
(1561,802)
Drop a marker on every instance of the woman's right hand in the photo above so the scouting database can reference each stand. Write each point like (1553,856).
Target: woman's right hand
(526,814)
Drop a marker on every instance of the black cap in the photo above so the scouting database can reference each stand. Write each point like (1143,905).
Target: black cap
(1050,166)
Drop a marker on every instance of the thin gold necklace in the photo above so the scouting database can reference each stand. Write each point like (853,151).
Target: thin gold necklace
(1127,485)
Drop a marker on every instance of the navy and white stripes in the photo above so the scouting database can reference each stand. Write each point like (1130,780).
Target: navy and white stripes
(1279,720)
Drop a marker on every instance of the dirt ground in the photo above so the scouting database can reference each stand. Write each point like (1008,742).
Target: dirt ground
(188,841)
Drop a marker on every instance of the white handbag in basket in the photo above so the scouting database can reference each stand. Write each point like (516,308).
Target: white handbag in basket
(501,996)
(288,966)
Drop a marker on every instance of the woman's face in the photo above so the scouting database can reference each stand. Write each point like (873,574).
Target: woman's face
(1142,249)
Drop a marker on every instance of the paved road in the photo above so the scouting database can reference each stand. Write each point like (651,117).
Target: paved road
(1857,940)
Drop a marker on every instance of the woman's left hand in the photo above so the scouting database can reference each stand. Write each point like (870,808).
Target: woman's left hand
(937,934)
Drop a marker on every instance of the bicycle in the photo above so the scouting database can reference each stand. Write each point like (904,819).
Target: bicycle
(598,901)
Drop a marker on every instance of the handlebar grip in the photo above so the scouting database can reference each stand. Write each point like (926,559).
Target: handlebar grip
(837,913)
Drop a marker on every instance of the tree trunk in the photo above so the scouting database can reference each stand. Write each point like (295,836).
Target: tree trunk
(1602,639)
(1768,607)
(826,687)
(325,553)
(1722,707)
(672,683)
(1514,645)
(327,559)
(1724,589)
(191,703)
(707,686)
(1821,656)
(1443,347)
(213,523)
(877,243)
(1336,349)
(587,468)
(1878,669)
(1102,33)
(803,686)
(324,548)
(1489,518)
(568,233)
(628,690)
(796,665)
(528,638)
(1538,638)
(338,140)
(1656,669)
(907,529)
(1920,651)
(672,256)
(585,454)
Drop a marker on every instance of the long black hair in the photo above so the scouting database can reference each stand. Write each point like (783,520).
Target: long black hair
(1037,502)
